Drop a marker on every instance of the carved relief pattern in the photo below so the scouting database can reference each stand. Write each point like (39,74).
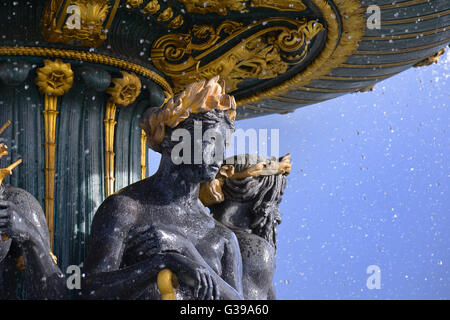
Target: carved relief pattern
(264,54)
(95,19)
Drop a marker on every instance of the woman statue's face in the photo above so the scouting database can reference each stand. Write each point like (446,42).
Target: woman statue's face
(206,137)
(213,148)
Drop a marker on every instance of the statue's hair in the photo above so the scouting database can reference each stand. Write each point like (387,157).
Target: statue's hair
(244,168)
(199,97)
(260,188)
(189,124)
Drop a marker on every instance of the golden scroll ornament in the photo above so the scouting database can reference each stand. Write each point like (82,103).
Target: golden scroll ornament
(265,54)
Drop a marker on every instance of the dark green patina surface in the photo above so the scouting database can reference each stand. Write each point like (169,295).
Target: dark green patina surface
(79,183)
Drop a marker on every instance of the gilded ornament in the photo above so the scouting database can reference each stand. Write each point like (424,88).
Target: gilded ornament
(338,46)
(211,192)
(173,54)
(152,7)
(126,89)
(280,5)
(3,150)
(88,57)
(55,78)
(217,6)
(167,284)
(5,172)
(50,114)
(110,123)
(92,17)
(431,59)
(134,3)
(177,22)
(222,6)
(263,55)
(124,93)
(367,89)
(87,26)
(166,15)
(143,154)
(268,168)
(54,258)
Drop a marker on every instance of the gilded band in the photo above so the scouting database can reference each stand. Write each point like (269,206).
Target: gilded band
(87,57)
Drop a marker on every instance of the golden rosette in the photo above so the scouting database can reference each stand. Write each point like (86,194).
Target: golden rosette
(55,78)
(126,89)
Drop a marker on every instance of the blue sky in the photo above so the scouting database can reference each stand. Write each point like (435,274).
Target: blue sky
(369,186)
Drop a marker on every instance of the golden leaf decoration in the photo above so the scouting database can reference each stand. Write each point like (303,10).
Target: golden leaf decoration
(199,97)
(134,3)
(211,192)
(152,7)
(177,22)
(166,14)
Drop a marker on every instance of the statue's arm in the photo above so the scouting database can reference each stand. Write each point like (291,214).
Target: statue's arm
(104,278)
(44,278)
(232,265)
(43,275)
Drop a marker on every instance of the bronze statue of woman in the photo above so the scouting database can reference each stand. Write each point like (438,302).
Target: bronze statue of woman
(245,197)
(159,222)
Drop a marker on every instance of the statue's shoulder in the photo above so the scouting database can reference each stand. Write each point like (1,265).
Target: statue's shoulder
(140,191)
(128,203)
(22,199)
(119,204)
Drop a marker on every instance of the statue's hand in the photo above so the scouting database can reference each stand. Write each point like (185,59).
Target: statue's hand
(194,275)
(206,287)
(12,222)
(141,244)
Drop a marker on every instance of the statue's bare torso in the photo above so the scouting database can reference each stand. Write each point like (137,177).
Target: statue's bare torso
(138,222)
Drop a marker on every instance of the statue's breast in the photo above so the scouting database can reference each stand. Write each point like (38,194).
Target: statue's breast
(258,264)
